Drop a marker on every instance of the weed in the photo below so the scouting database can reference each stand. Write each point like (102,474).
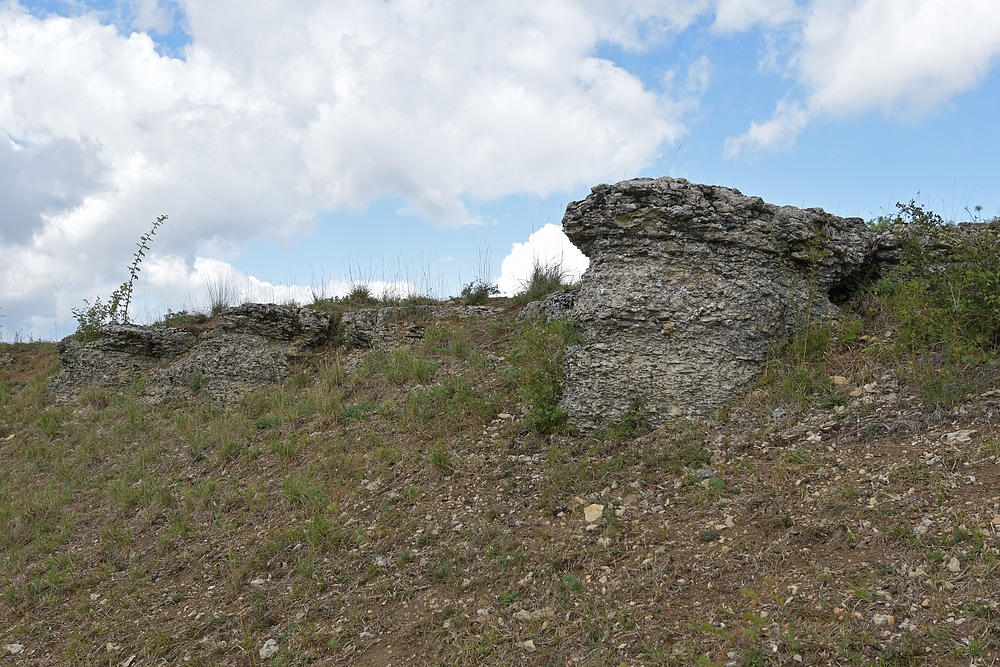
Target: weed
(709,535)
(115,311)
(537,371)
(441,458)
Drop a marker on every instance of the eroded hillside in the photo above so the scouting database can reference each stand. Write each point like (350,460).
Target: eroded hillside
(399,505)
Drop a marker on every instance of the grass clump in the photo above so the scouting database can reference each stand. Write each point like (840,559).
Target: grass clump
(543,280)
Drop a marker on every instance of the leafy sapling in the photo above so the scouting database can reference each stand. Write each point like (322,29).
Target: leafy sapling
(115,310)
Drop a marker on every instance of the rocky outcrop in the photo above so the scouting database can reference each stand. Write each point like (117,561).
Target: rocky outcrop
(688,286)
(249,347)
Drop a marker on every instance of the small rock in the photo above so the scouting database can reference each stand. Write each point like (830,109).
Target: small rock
(524,615)
(504,415)
(258,582)
(959,437)
(926,603)
(366,635)
(593,512)
(269,649)
(884,619)
(528,646)
(838,380)
(702,475)
(482,612)
(954,565)
(730,523)
(14,649)
(94,597)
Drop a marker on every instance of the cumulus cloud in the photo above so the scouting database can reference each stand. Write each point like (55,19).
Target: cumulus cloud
(900,57)
(208,282)
(548,247)
(280,110)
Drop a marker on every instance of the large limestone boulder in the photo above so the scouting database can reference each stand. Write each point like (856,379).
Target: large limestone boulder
(688,286)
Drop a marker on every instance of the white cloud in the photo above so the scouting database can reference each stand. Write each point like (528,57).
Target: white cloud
(777,132)
(547,247)
(207,281)
(903,58)
(739,15)
(281,110)
(897,56)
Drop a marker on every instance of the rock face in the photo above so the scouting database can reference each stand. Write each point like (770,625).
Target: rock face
(688,286)
(252,346)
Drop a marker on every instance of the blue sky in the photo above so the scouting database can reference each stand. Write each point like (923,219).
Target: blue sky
(297,146)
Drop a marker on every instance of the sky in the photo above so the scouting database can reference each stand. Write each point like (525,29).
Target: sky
(299,147)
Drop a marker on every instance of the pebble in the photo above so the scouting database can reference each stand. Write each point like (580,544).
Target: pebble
(528,646)
(268,650)
(366,635)
(884,619)
(258,582)
(524,615)
(593,512)
(14,649)
(954,565)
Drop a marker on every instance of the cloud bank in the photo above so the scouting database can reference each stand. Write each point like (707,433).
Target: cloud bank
(902,58)
(279,111)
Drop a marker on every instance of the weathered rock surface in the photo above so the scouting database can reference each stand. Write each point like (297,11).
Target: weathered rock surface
(252,346)
(688,286)
(369,327)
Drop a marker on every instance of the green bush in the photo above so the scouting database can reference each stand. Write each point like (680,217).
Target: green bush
(478,292)
(941,304)
(537,371)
